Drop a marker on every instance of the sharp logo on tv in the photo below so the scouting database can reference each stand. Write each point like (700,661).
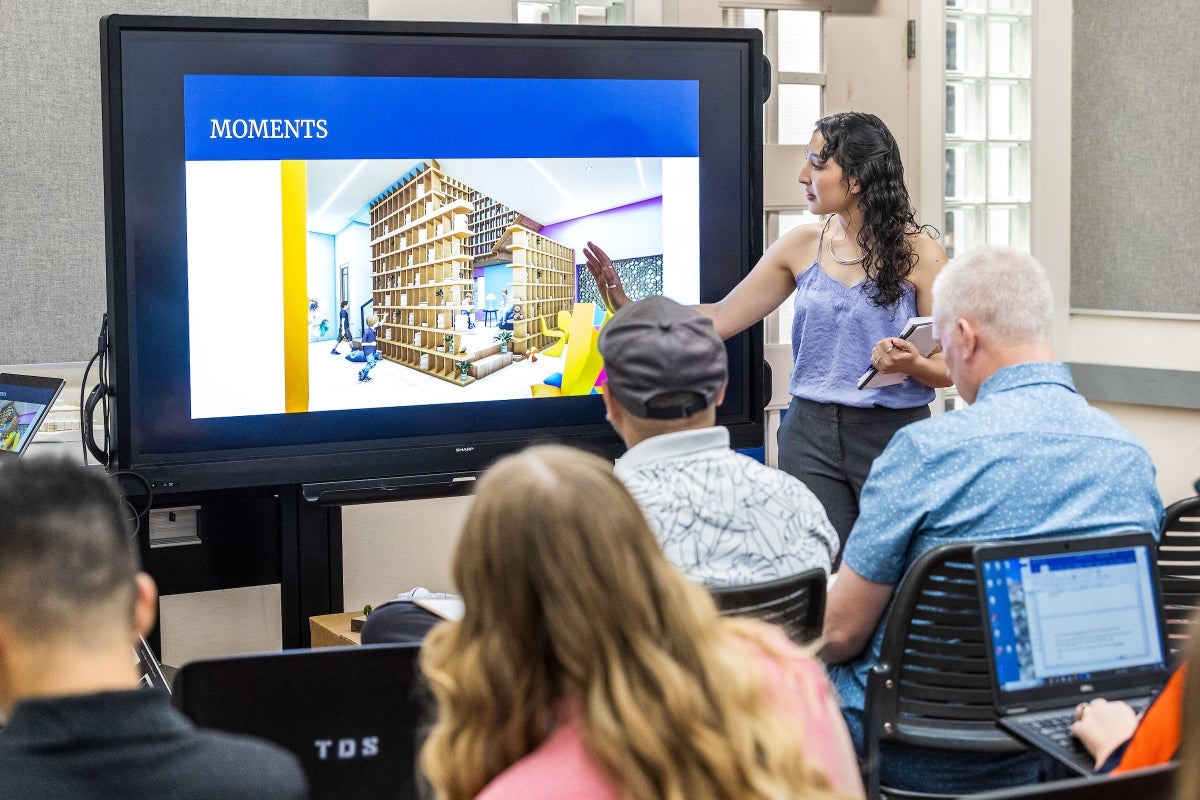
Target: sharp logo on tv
(464,449)
(347,749)
(269,129)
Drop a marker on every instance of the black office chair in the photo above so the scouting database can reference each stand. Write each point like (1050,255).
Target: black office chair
(930,687)
(796,603)
(1179,569)
(1151,783)
(351,714)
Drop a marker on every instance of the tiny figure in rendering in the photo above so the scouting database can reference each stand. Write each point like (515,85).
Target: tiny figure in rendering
(343,328)
(469,310)
(370,351)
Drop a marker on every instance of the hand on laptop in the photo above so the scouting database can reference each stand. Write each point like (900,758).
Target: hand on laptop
(1103,726)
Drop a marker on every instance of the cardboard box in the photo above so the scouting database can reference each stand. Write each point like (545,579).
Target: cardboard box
(333,630)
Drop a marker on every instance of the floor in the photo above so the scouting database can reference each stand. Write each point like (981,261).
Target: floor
(334,384)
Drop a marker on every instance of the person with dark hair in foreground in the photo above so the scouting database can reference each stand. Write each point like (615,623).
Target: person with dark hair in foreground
(587,667)
(72,606)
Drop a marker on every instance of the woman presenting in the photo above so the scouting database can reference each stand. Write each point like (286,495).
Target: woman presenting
(858,274)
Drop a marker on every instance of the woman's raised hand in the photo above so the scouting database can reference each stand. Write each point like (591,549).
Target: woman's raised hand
(607,283)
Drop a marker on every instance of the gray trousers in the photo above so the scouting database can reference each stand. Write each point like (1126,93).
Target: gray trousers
(831,448)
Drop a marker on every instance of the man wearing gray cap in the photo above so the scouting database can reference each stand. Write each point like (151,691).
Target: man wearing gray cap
(722,518)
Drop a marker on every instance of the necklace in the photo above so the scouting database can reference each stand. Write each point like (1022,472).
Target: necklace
(846,262)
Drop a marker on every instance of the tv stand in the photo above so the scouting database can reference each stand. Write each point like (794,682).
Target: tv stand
(290,535)
(374,490)
(254,537)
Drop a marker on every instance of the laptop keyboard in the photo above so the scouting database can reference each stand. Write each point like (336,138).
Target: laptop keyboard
(1058,728)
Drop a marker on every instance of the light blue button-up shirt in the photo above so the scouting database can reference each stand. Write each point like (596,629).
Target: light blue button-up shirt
(1030,459)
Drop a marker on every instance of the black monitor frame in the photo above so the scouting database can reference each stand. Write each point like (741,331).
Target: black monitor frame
(149,382)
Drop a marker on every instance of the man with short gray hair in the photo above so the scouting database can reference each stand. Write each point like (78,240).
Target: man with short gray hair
(1029,458)
(723,518)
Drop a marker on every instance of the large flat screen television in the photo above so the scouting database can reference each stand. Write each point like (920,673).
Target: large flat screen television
(438,180)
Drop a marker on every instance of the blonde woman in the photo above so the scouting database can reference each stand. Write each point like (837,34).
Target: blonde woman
(1187,780)
(587,667)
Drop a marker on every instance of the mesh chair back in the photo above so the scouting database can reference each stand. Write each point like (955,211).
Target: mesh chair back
(1151,783)
(1179,569)
(930,687)
(795,603)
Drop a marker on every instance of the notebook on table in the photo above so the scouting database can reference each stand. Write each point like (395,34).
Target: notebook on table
(1069,620)
(450,608)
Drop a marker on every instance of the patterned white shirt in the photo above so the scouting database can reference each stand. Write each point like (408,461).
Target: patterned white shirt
(723,518)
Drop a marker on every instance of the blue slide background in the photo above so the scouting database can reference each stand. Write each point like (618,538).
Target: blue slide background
(374,117)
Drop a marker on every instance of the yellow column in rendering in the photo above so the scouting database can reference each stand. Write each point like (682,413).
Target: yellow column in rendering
(293,177)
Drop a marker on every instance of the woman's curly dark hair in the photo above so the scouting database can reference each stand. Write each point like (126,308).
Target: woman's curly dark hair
(865,149)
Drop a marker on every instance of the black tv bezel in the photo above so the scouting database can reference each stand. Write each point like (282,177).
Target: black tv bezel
(382,468)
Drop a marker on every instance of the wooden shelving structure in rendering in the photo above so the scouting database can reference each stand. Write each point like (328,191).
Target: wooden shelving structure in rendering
(428,231)
(422,271)
(543,283)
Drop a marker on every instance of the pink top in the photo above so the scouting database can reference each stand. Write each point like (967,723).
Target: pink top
(560,767)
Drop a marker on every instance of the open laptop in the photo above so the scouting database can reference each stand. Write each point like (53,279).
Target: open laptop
(1069,620)
(25,400)
(351,714)
(150,670)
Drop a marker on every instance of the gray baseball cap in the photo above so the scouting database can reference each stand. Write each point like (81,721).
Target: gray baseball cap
(655,347)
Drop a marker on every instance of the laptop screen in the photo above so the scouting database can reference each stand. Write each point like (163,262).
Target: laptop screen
(351,714)
(25,400)
(1071,618)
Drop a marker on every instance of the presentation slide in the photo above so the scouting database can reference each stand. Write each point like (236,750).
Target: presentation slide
(360,242)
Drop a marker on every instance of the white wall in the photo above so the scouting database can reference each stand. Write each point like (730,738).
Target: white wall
(388,548)
(322,278)
(645,12)
(444,10)
(1171,435)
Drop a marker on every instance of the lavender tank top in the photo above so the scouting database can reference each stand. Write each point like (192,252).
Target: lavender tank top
(833,332)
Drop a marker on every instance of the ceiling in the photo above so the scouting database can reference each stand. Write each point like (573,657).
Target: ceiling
(546,190)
